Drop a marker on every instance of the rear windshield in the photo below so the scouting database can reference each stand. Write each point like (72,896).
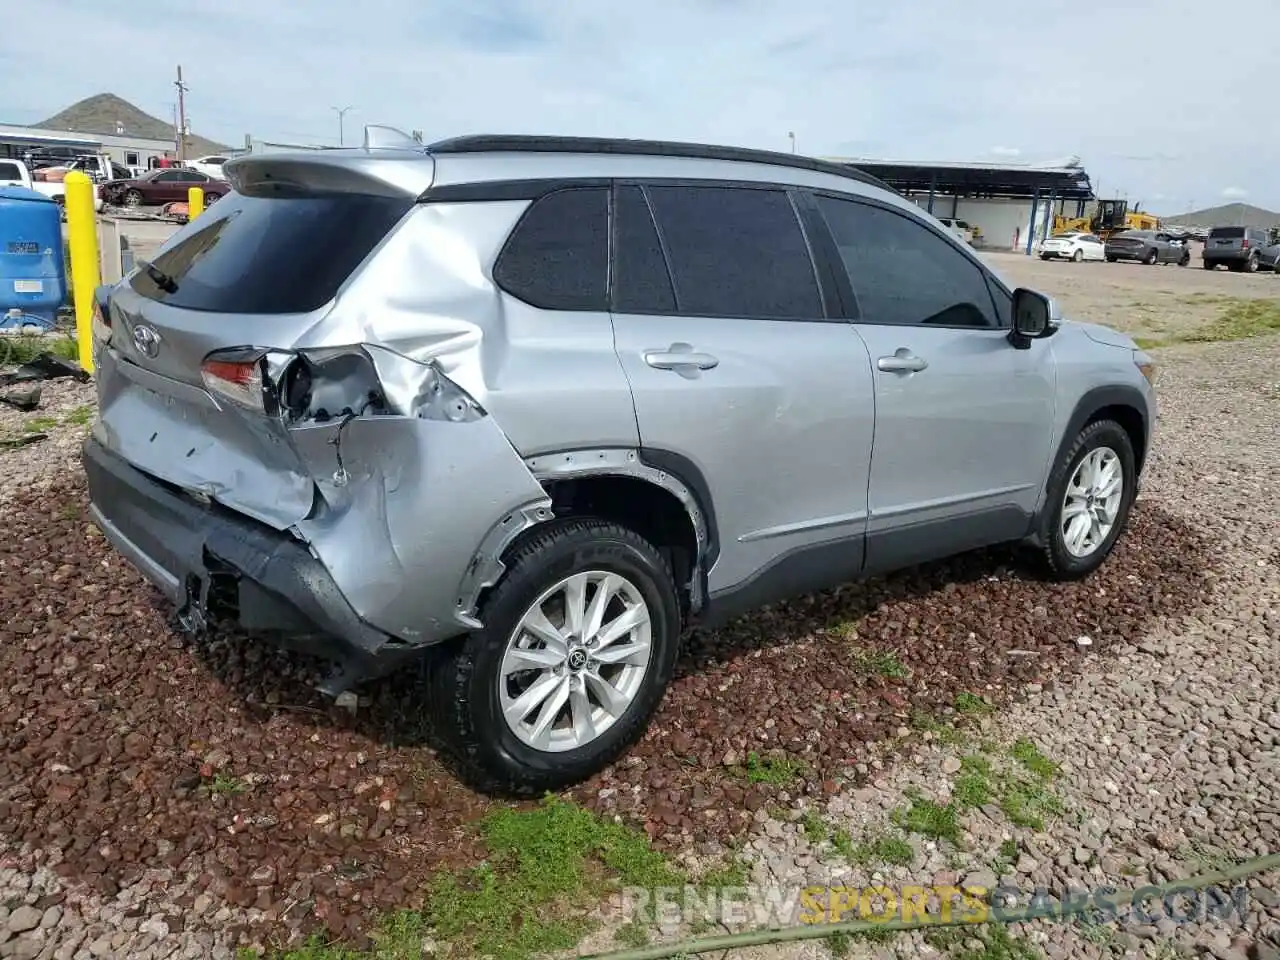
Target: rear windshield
(272,255)
(1224,233)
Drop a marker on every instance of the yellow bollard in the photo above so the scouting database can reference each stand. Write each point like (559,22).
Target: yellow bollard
(86,269)
(195,202)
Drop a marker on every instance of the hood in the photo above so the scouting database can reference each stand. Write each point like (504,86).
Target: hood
(1104,335)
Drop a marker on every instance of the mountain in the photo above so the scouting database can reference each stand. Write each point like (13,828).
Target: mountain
(103,112)
(1228,215)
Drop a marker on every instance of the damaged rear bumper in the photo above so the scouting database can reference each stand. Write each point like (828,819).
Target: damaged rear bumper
(212,562)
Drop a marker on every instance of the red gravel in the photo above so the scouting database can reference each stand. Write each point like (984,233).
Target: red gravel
(113,729)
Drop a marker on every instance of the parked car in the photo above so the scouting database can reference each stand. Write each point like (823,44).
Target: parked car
(15,173)
(210,166)
(1240,248)
(1073,246)
(530,425)
(961,229)
(1146,246)
(162,186)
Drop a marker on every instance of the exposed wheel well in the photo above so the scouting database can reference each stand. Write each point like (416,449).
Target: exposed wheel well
(1131,420)
(650,511)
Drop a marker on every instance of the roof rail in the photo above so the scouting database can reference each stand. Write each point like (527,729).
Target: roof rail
(380,137)
(517,143)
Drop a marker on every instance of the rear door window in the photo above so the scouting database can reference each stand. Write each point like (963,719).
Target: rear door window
(641,280)
(272,255)
(736,252)
(557,257)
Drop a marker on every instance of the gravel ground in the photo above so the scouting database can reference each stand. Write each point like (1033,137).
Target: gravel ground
(162,799)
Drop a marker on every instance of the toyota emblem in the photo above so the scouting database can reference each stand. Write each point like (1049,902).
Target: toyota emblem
(146,340)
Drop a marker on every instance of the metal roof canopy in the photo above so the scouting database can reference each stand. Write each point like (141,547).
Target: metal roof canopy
(1004,181)
(33,135)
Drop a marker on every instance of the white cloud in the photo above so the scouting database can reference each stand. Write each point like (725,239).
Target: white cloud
(1235,193)
(1006,151)
(929,79)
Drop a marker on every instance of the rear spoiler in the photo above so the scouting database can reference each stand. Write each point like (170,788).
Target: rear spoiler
(390,164)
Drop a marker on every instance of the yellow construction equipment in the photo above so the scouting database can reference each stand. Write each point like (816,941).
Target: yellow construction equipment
(1108,217)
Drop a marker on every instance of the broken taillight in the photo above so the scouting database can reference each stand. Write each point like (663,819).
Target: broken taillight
(101,322)
(245,377)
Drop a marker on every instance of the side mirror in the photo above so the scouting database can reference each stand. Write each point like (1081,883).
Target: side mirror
(1034,315)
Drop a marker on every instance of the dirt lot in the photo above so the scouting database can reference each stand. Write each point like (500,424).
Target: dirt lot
(1159,304)
(159,798)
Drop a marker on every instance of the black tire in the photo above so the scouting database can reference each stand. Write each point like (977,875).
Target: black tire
(1112,259)
(1059,562)
(1185,261)
(1151,258)
(1208,265)
(1251,265)
(1044,256)
(464,682)
(1077,256)
(133,199)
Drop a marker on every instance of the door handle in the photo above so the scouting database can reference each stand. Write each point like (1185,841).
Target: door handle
(680,357)
(902,361)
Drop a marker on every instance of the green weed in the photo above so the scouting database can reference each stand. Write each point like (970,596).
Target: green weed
(780,770)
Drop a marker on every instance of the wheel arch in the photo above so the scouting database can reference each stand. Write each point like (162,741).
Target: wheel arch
(660,495)
(1120,402)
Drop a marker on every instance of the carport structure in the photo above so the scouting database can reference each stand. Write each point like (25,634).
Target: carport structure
(1035,191)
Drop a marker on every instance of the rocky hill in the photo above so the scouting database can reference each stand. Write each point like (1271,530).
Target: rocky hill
(105,113)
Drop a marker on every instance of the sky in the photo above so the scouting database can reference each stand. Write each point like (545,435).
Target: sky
(1168,103)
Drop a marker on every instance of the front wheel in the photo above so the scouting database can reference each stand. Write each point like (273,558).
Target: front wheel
(579,644)
(1112,259)
(133,199)
(1151,258)
(1087,501)
(1185,261)
(1208,265)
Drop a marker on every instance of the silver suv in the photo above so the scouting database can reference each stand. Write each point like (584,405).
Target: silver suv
(538,404)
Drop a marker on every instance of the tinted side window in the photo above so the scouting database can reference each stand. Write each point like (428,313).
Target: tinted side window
(9,171)
(557,258)
(641,282)
(736,252)
(904,273)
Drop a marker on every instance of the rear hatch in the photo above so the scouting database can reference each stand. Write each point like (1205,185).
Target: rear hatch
(1225,240)
(259,269)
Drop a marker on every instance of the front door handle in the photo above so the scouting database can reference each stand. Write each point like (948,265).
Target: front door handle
(680,357)
(902,361)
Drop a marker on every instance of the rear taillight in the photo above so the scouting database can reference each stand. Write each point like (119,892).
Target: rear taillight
(1244,244)
(245,377)
(101,323)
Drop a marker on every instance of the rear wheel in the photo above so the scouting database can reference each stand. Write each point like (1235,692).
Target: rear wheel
(579,645)
(1077,256)
(1251,265)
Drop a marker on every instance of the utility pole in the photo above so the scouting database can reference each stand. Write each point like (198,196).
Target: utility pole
(182,117)
(793,142)
(341,112)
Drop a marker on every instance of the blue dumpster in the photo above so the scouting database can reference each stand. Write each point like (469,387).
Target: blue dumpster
(33,274)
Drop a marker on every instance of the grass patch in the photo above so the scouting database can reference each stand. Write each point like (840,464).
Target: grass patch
(940,822)
(972,703)
(547,868)
(1148,343)
(814,827)
(227,786)
(775,770)
(1029,755)
(891,850)
(21,348)
(40,424)
(885,665)
(1241,320)
(999,944)
(1029,804)
(80,416)
(632,934)
(942,732)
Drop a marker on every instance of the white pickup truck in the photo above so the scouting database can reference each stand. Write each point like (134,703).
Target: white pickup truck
(15,173)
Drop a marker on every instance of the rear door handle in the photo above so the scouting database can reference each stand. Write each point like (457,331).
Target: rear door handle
(902,361)
(680,357)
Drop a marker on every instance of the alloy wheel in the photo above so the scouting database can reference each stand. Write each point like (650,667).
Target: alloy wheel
(576,661)
(1092,501)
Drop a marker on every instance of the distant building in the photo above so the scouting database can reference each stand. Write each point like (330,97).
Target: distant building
(123,149)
